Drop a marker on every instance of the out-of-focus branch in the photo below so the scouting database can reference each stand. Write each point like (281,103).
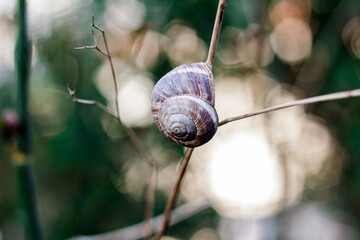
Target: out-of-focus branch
(322,98)
(21,154)
(129,131)
(133,232)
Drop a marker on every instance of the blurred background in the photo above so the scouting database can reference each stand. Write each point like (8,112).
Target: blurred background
(291,174)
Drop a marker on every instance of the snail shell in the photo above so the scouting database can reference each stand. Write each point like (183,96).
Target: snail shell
(183,105)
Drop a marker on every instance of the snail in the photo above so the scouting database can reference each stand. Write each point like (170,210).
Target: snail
(183,101)
(183,105)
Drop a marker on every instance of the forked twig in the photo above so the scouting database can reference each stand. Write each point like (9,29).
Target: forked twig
(96,45)
(322,98)
(108,55)
(129,131)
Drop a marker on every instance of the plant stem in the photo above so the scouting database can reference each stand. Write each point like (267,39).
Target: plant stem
(23,59)
(108,55)
(210,60)
(149,204)
(322,98)
(174,194)
(21,154)
(150,195)
(216,32)
(29,200)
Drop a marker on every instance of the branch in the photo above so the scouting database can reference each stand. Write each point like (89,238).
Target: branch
(322,98)
(216,32)
(129,131)
(174,194)
(96,45)
(149,205)
(108,55)
(21,153)
(90,102)
(133,232)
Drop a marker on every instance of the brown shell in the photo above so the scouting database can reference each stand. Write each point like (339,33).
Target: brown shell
(183,105)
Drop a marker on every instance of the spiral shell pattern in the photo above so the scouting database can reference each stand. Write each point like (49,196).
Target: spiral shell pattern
(183,105)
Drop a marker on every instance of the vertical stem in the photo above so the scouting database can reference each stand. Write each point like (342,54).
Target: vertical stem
(23,58)
(216,32)
(21,155)
(149,205)
(29,201)
(174,194)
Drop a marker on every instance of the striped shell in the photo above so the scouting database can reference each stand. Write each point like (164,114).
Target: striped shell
(183,105)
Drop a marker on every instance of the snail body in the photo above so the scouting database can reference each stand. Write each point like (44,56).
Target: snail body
(183,105)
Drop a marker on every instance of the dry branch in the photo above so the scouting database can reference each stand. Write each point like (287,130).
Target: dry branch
(216,32)
(129,131)
(174,194)
(322,98)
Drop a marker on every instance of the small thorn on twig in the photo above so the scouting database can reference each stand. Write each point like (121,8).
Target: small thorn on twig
(90,102)
(71,93)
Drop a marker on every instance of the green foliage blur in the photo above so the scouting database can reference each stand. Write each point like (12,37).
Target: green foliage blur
(81,154)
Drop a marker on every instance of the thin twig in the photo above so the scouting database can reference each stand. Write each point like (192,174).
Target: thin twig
(91,102)
(174,194)
(111,65)
(91,47)
(133,232)
(216,32)
(150,196)
(322,98)
(129,131)
(134,138)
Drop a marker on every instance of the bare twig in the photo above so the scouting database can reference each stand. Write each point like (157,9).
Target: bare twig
(174,194)
(129,131)
(150,196)
(137,142)
(216,32)
(108,55)
(135,231)
(96,45)
(322,98)
(90,102)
